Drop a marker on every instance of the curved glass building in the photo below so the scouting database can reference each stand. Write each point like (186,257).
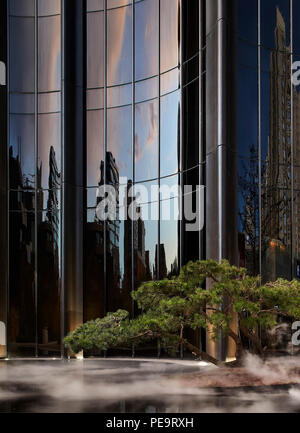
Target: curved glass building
(141,93)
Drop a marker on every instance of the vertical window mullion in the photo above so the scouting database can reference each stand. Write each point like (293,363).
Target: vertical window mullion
(105,152)
(292,140)
(259,133)
(133,259)
(36,165)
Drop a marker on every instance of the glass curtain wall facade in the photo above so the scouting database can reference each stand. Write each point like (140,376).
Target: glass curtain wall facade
(34,159)
(143,93)
(143,75)
(98,92)
(268,138)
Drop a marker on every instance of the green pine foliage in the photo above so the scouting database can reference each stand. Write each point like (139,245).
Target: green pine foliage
(206,294)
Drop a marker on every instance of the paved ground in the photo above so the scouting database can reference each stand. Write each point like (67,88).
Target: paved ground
(125,385)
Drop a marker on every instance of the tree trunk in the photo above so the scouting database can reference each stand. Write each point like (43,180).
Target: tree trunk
(239,346)
(200,353)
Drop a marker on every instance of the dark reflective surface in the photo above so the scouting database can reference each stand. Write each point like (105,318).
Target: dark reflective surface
(131,386)
(35,178)
(22,317)
(267,187)
(94,277)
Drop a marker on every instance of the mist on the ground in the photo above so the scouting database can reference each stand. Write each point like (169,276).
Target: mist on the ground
(122,385)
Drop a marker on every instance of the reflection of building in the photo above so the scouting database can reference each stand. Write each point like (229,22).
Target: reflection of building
(83,264)
(48,283)
(22,235)
(41,292)
(277,241)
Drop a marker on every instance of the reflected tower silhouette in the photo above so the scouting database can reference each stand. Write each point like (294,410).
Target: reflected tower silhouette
(276,185)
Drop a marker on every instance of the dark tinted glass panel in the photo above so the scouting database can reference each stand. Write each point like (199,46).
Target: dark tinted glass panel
(95,147)
(248,205)
(169,34)
(22,200)
(119,45)
(49,54)
(146,141)
(248,161)
(190,126)
(21,151)
(21,54)
(119,267)
(48,279)
(247,111)
(247,54)
(296,28)
(170,134)
(94,275)
(247,19)
(49,151)
(146,39)
(119,143)
(95,48)
(22,317)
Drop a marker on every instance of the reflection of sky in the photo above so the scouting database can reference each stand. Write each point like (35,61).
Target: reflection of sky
(169,234)
(169,133)
(146,141)
(119,138)
(49,78)
(119,31)
(146,37)
(49,54)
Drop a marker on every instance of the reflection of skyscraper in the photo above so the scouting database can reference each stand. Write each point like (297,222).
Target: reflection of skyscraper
(22,250)
(48,260)
(276,216)
(163,270)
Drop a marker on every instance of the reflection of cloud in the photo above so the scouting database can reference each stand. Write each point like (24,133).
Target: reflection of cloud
(169,34)
(116,41)
(153,126)
(138,148)
(149,30)
(49,53)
